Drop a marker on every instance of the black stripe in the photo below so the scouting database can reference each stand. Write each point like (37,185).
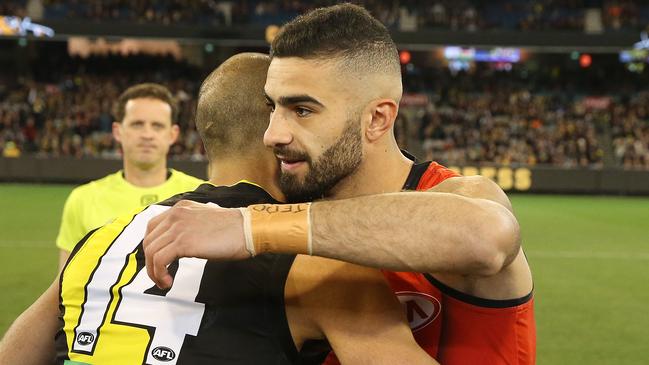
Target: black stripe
(477,301)
(416,172)
(235,196)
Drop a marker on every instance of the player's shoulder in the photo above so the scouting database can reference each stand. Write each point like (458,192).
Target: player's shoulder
(95,186)
(435,173)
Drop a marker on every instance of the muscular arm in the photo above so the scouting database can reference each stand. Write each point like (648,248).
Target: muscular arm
(353,308)
(30,339)
(462,226)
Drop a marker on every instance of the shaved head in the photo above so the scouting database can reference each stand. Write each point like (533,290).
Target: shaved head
(232,115)
(348,36)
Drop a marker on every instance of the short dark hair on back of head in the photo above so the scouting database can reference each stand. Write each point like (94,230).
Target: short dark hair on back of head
(232,115)
(146,90)
(344,31)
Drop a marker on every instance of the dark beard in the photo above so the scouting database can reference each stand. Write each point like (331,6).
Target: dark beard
(336,163)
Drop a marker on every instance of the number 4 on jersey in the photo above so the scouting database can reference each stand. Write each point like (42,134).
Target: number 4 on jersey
(170,317)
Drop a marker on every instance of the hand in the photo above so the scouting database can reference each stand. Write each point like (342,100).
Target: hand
(190,229)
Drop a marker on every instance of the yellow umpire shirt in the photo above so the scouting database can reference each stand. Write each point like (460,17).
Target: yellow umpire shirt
(94,204)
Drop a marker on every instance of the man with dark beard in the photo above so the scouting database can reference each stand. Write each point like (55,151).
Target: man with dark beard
(334,86)
(337,162)
(256,311)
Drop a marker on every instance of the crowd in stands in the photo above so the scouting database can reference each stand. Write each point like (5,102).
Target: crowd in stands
(514,129)
(551,118)
(630,132)
(469,15)
(69,113)
(481,116)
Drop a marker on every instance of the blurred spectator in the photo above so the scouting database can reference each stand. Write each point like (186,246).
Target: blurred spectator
(70,114)
(480,116)
(470,15)
(630,131)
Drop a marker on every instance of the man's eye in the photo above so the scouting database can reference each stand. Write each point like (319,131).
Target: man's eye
(270,106)
(302,112)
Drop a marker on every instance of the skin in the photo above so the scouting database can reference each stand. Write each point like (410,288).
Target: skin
(462,231)
(42,318)
(146,133)
(349,305)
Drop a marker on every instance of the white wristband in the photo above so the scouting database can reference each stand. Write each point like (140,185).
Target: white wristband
(247,231)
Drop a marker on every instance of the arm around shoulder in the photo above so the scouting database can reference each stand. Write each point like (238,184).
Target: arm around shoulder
(497,243)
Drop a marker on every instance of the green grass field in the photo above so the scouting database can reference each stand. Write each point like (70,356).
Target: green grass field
(589,255)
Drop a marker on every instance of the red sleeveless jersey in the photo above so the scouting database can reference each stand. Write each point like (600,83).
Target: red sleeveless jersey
(456,328)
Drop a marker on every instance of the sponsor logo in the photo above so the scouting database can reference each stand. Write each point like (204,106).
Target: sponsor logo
(162,353)
(148,199)
(85,338)
(421,309)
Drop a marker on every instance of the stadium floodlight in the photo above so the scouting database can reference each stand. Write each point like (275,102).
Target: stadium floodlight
(495,55)
(13,25)
(643,43)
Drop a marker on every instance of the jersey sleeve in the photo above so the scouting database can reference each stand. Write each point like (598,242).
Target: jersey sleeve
(71,230)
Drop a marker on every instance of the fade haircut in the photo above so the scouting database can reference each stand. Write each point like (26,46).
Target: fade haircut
(146,90)
(345,32)
(231,114)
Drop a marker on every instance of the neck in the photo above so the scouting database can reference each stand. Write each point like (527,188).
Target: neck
(263,172)
(383,170)
(145,177)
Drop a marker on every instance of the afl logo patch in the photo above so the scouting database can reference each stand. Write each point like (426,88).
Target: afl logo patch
(85,338)
(421,309)
(148,199)
(162,353)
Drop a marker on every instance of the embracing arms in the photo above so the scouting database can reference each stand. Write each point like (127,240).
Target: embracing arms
(462,226)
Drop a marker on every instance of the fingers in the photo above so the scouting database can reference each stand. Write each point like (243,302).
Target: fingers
(160,260)
(158,243)
(158,254)
(190,229)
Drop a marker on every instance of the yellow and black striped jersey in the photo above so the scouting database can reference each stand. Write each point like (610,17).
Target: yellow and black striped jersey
(214,313)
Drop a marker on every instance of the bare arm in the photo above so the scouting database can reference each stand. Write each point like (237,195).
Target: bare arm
(462,226)
(63,258)
(30,339)
(352,307)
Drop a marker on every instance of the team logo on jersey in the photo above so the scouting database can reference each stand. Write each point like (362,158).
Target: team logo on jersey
(421,309)
(148,199)
(85,338)
(162,353)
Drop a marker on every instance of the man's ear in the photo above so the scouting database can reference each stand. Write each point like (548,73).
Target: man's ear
(117,131)
(175,132)
(384,112)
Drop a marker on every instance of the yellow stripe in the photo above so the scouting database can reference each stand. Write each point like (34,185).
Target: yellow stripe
(236,183)
(117,344)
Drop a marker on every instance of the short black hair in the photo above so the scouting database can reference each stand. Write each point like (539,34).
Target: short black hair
(344,31)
